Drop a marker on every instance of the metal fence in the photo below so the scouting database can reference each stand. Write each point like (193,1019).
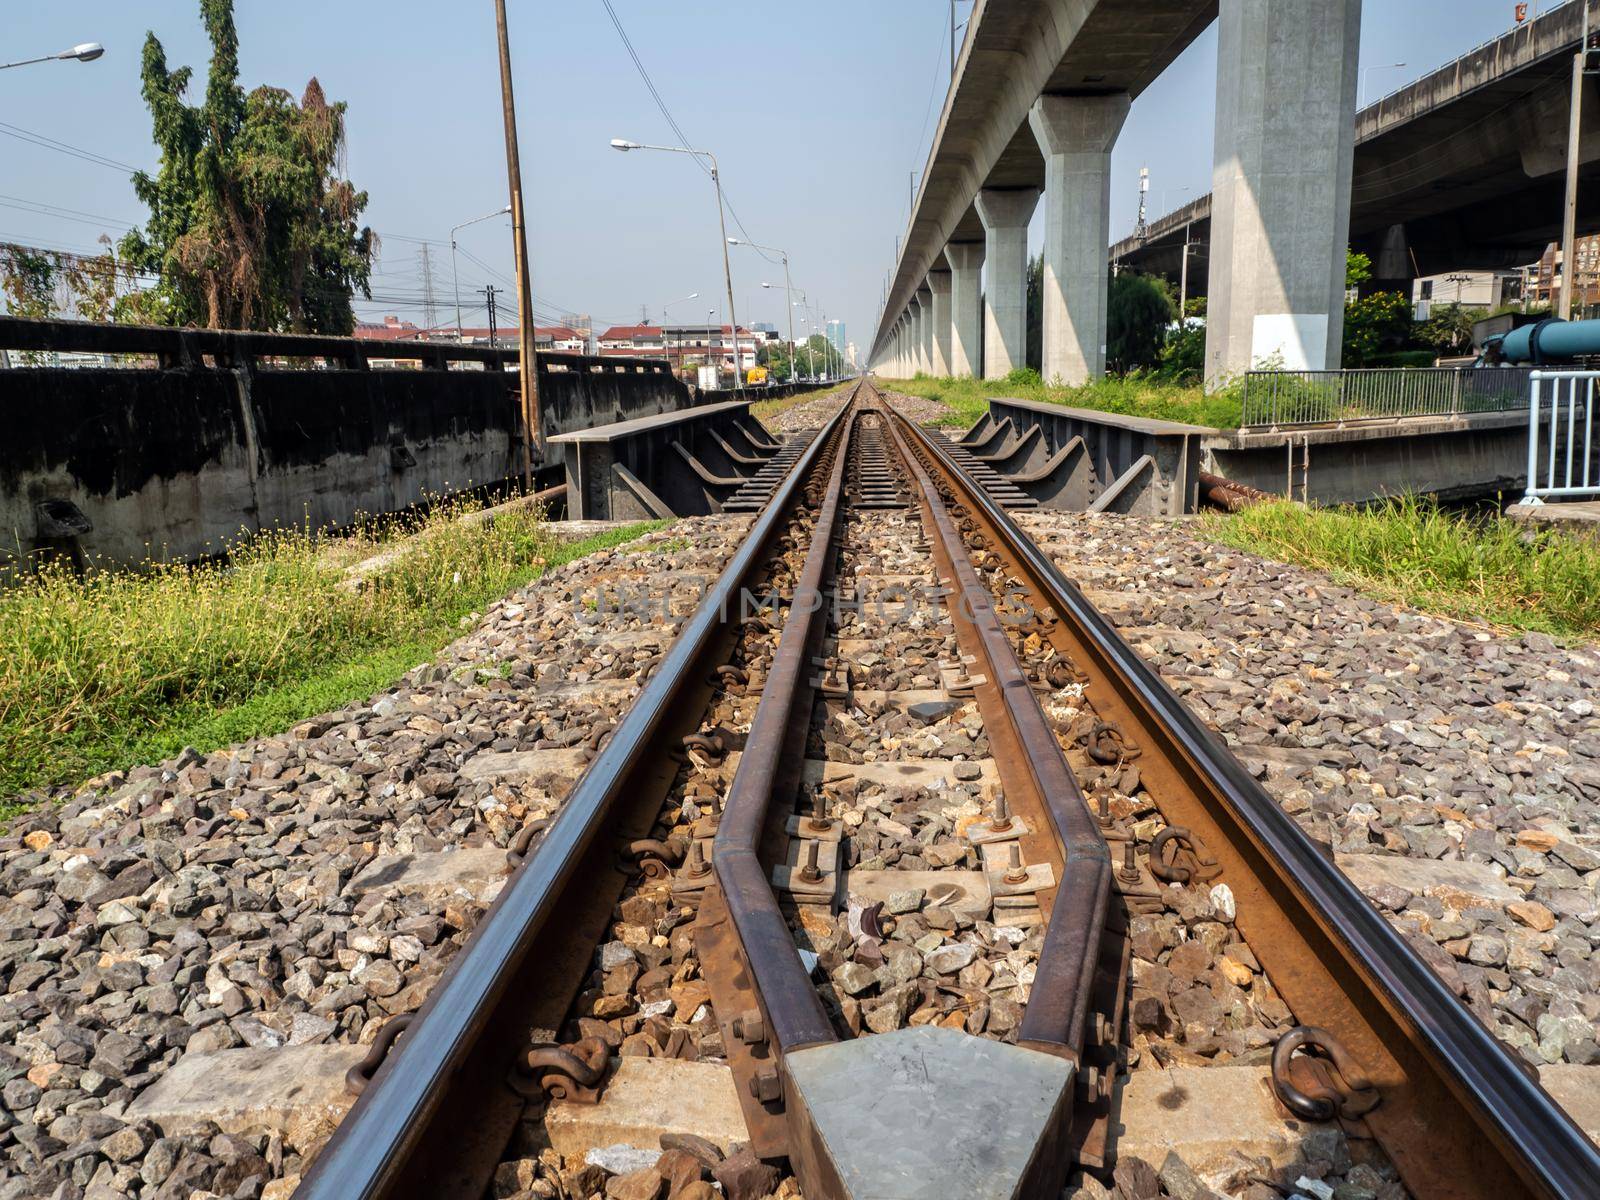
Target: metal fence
(1561,445)
(1273,399)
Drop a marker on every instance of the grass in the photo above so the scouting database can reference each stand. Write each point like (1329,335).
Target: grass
(111,669)
(1485,569)
(968,399)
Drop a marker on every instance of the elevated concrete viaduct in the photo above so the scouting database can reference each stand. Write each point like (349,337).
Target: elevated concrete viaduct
(1462,169)
(1040,94)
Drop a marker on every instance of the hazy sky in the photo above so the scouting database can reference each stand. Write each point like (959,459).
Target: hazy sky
(818,113)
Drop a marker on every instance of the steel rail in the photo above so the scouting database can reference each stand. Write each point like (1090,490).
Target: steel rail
(768,771)
(376,1149)
(1461,1117)
(1058,1003)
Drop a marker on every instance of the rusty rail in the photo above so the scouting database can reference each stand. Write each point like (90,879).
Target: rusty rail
(437,1114)
(1460,1117)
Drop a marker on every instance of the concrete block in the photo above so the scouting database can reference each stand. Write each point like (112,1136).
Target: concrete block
(1206,1115)
(1457,884)
(477,874)
(555,769)
(647,1097)
(298,1091)
(928,1113)
(1576,1089)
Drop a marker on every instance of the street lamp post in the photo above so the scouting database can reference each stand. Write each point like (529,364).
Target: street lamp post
(722,221)
(455,277)
(1365,71)
(665,308)
(83,52)
(788,288)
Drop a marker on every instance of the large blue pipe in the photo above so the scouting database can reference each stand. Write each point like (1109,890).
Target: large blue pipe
(1553,341)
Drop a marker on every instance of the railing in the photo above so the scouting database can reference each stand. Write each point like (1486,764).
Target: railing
(1561,445)
(168,348)
(1273,399)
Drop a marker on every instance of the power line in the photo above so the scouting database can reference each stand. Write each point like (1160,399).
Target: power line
(60,147)
(676,128)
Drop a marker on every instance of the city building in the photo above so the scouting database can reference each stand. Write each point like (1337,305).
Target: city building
(684,346)
(1488,290)
(836,336)
(1543,279)
(560,339)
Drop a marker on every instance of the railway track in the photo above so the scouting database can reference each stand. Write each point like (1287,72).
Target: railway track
(892,808)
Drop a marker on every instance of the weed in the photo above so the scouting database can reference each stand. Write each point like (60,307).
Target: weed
(1485,568)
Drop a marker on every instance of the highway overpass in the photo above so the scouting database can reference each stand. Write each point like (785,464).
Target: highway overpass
(1462,169)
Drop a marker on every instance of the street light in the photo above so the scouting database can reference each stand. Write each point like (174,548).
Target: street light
(1365,71)
(664,310)
(788,288)
(455,278)
(722,220)
(83,52)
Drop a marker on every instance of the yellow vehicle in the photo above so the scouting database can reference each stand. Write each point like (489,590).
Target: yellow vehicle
(756,377)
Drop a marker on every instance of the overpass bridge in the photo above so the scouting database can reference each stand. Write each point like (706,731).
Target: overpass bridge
(1462,168)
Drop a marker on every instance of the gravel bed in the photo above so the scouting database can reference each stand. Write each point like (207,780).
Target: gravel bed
(811,413)
(1393,735)
(205,902)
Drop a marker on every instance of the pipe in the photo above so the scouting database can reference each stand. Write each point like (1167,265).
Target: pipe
(1551,341)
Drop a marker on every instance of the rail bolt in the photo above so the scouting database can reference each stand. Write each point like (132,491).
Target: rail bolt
(765,1085)
(750,1028)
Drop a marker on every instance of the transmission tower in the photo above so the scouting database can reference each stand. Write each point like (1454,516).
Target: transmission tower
(429,311)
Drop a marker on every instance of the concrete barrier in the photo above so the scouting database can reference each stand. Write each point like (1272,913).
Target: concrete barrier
(171,443)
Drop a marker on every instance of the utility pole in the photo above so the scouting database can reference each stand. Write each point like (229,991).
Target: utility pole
(527,368)
(1569,223)
(494,329)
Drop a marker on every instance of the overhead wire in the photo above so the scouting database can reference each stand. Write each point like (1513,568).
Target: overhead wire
(678,129)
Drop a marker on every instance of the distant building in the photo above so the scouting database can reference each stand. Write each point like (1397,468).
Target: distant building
(1542,285)
(1470,289)
(766,332)
(556,338)
(836,336)
(683,346)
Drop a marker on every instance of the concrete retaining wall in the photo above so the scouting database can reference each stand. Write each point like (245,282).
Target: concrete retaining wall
(1453,458)
(197,436)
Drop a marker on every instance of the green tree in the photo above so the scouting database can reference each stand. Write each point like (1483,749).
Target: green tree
(1374,324)
(250,225)
(28,278)
(1448,328)
(1138,312)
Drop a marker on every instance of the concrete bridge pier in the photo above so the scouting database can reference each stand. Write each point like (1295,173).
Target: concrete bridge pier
(1285,136)
(1005,213)
(925,329)
(913,335)
(1075,135)
(966,308)
(939,287)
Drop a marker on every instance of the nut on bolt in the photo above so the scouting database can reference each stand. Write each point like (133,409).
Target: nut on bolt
(750,1027)
(765,1085)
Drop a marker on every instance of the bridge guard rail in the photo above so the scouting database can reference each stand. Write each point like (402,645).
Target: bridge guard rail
(1274,399)
(1561,445)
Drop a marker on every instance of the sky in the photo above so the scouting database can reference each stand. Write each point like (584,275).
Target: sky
(817,124)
